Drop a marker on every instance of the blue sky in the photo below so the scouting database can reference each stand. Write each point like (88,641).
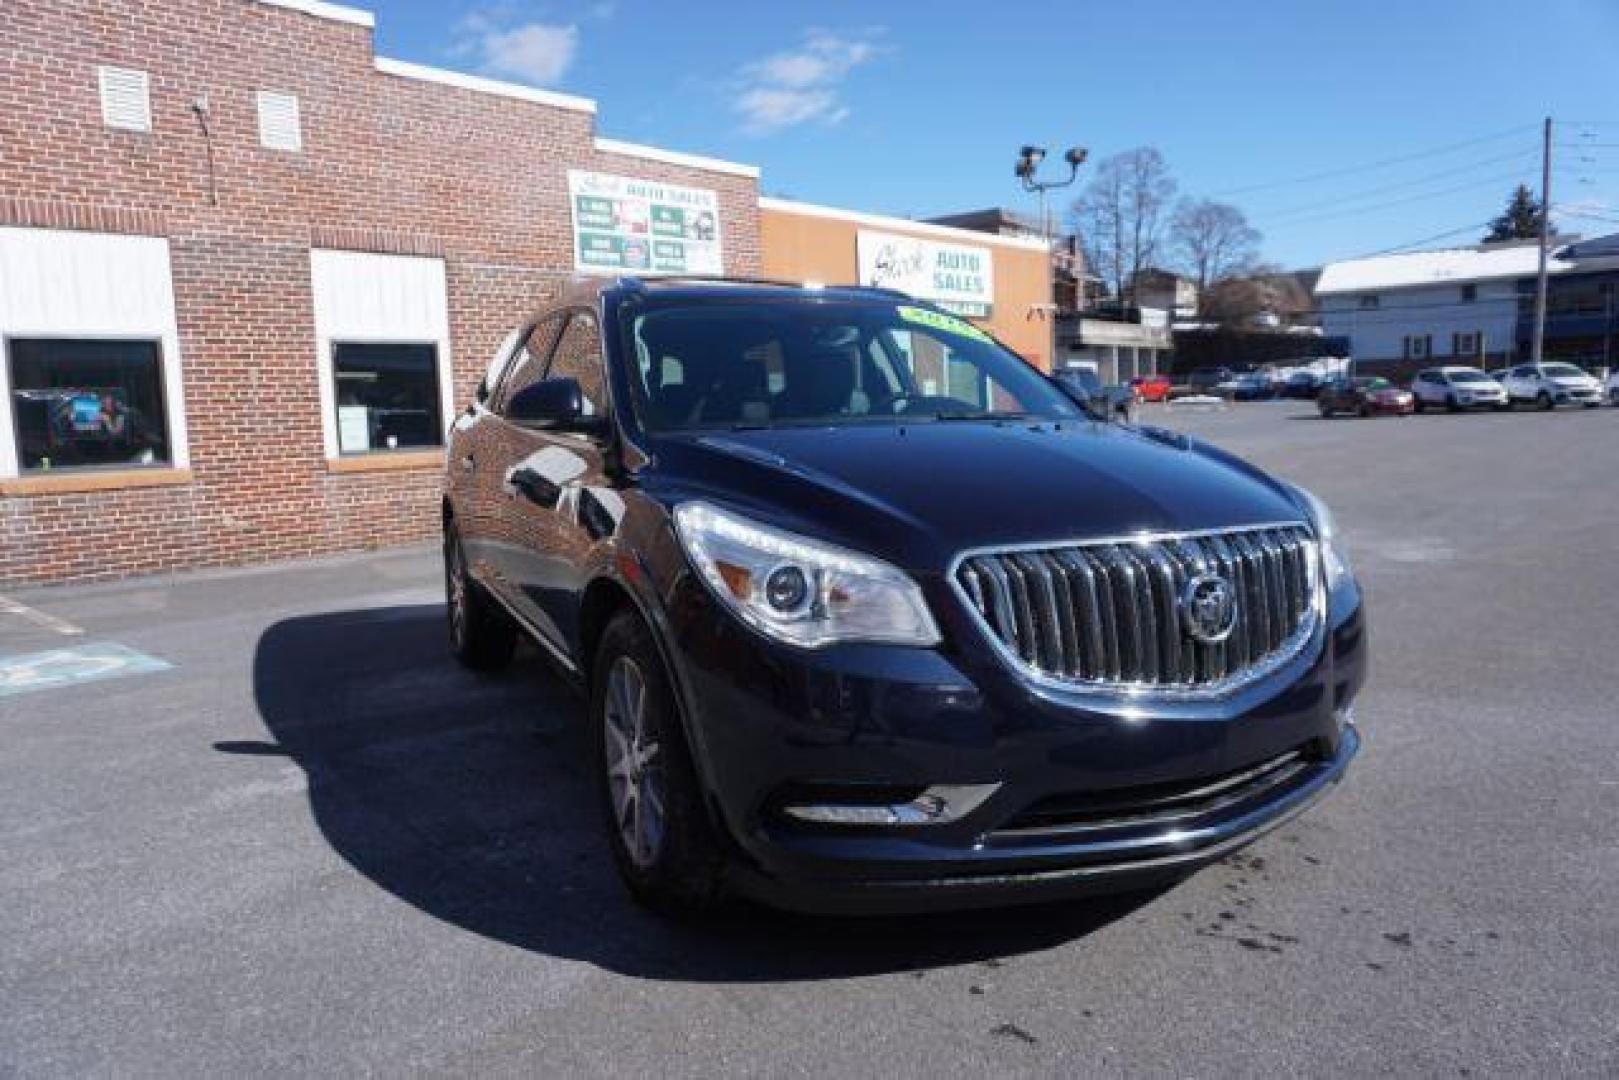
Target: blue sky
(918,109)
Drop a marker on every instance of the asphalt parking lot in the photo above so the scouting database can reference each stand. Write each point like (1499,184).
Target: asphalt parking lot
(258,822)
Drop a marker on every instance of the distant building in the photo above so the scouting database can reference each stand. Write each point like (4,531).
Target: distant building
(1120,341)
(1473,305)
(1165,290)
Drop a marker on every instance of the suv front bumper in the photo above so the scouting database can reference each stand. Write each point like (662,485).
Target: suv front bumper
(1084,801)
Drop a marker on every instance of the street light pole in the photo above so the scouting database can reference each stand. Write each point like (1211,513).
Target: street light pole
(1028,162)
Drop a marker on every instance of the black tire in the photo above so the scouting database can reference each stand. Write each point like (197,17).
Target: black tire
(482,636)
(1545,402)
(1450,404)
(1365,412)
(1416,403)
(1326,413)
(680,871)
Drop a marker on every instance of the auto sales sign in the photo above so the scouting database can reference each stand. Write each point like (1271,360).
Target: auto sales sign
(957,277)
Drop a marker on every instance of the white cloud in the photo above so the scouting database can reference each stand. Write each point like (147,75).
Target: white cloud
(801,85)
(535,53)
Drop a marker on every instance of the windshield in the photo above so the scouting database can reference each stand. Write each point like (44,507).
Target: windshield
(703,365)
(1465,376)
(1564,371)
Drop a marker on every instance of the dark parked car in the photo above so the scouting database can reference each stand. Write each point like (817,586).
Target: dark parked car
(1368,396)
(869,617)
(1254,386)
(1303,385)
(1209,380)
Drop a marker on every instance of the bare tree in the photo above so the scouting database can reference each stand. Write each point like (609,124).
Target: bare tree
(1119,217)
(1213,241)
(1238,298)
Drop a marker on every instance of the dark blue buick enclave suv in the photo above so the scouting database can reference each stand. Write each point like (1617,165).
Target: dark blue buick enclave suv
(872,615)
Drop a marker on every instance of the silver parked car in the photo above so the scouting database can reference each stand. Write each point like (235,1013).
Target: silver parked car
(1550,385)
(1457,388)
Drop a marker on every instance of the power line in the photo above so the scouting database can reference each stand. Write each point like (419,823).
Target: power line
(1414,181)
(1383,164)
(1419,243)
(1586,215)
(1470,185)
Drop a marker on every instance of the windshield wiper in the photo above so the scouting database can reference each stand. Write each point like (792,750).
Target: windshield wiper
(962,415)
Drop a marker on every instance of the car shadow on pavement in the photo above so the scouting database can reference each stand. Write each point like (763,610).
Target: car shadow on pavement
(468,797)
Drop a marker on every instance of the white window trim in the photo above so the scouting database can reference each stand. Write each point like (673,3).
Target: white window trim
(327,336)
(165,332)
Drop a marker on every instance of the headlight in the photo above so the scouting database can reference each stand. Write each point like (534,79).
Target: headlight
(1333,559)
(798,590)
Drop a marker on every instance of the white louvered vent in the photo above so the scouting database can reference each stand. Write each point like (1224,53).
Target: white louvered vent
(126,100)
(279,125)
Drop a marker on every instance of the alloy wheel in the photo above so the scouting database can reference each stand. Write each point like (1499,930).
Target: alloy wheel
(635,777)
(455,580)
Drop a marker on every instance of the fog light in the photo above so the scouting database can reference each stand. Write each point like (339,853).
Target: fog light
(937,805)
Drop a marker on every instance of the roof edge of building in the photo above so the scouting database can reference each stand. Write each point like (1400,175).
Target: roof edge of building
(410,70)
(321,9)
(676,157)
(926,228)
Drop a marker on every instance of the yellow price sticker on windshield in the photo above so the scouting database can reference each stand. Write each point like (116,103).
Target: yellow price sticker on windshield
(938,320)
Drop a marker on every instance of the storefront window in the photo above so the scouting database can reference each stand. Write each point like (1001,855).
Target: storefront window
(81,404)
(387,397)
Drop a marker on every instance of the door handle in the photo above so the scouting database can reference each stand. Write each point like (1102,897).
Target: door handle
(534,487)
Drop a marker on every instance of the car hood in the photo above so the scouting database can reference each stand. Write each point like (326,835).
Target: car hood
(919,495)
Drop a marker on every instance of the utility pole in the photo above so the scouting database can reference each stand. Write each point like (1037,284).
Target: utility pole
(1539,347)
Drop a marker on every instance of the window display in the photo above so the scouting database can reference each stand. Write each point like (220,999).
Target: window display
(387,397)
(87,403)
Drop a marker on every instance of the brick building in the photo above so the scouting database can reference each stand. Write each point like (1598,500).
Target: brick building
(248,268)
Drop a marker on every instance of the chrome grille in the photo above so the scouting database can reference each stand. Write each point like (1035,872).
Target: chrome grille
(1110,614)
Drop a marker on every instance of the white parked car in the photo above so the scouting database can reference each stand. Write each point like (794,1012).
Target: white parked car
(1457,388)
(1550,385)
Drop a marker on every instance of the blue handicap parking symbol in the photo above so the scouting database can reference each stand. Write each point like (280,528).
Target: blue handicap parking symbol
(23,673)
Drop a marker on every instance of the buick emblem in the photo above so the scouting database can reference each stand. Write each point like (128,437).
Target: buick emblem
(1209,608)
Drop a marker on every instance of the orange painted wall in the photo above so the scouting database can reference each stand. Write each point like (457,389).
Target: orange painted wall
(810,247)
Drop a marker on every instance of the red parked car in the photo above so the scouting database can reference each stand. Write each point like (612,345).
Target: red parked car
(1365,396)
(1151,387)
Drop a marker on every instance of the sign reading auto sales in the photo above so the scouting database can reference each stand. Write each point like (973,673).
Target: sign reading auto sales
(957,277)
(621,224)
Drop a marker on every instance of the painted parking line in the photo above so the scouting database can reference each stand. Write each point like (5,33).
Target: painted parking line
(9,606)
(25,673)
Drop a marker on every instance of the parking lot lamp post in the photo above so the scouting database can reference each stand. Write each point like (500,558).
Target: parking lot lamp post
(1028,163)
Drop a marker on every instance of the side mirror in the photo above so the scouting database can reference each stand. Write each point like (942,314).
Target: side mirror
(1104,404)
(553,405)
(1118,401)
